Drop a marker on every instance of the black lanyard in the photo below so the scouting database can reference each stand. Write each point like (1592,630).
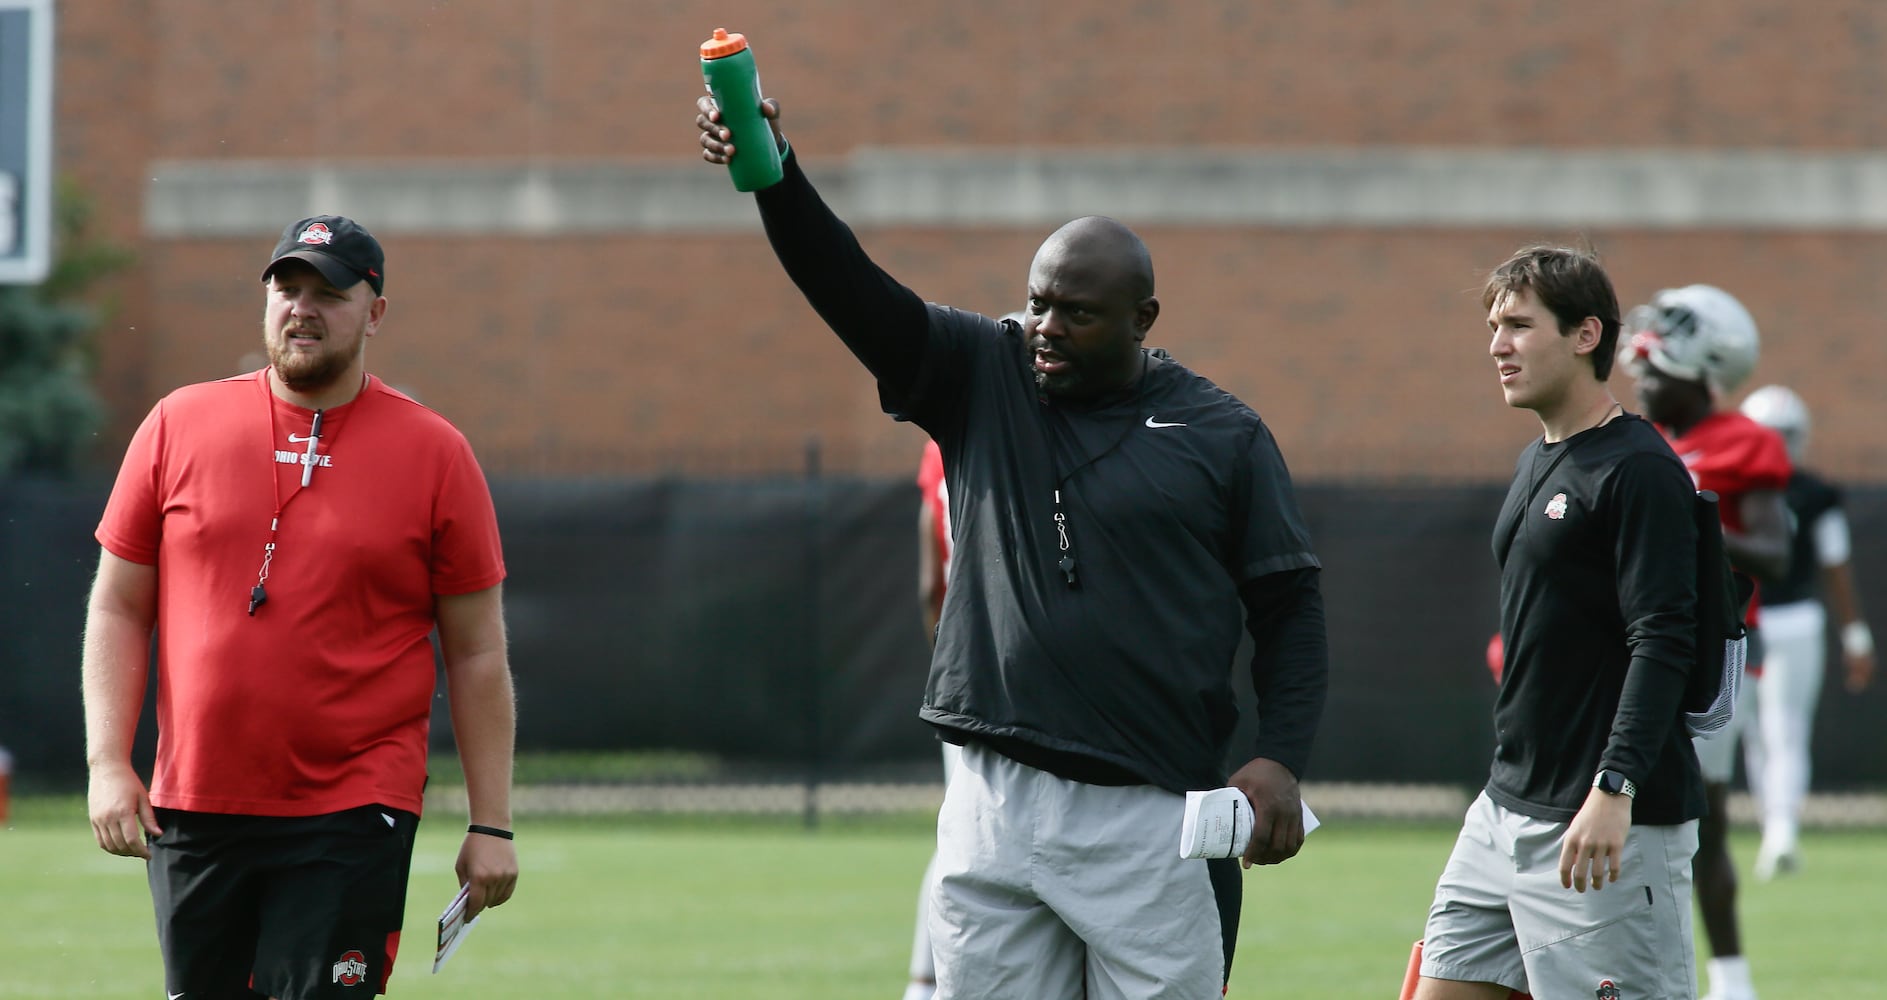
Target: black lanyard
(1063,540)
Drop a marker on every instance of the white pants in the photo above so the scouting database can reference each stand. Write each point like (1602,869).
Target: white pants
(1049,889)
(1776,747)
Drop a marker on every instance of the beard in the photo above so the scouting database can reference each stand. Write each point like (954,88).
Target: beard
(1060,383)
(1077,381)
(310,371)
(1067,383)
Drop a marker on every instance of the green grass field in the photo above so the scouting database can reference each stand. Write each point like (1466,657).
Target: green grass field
(759,908)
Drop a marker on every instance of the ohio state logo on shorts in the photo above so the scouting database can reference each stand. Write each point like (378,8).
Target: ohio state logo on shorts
(351,970)
(1606,990)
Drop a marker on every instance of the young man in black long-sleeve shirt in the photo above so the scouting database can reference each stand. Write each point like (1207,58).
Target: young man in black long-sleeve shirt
(1115,517)
(1594,783)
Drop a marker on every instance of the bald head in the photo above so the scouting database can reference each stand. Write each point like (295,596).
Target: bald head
(1106,248)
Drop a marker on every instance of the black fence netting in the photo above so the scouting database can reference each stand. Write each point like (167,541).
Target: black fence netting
(774,623)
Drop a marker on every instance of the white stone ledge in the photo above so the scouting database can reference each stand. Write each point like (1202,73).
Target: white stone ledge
(1362,187)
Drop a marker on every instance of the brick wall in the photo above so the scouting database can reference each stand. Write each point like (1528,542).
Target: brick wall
(1364,348)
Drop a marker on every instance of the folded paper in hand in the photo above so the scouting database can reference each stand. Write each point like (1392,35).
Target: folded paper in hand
(452,928)
(1218,824)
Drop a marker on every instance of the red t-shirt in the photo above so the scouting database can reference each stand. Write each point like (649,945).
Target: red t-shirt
(321,701)
(1732,455)
(930,482)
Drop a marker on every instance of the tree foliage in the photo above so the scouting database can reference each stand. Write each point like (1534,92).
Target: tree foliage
(49,410)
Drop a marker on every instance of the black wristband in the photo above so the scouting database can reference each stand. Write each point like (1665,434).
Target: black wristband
(490,831)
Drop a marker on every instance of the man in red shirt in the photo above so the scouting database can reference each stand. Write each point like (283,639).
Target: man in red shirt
(933,575)
(1688,348)
(293,536)
(933,537)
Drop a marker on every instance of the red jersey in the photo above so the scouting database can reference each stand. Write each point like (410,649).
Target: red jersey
(936,493)
(1732,455)
(320,701)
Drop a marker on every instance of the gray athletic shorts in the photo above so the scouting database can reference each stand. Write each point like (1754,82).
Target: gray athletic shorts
(1049,889)
(1501,915)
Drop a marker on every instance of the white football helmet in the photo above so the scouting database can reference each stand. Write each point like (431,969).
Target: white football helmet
(1778,408)
(1698,333)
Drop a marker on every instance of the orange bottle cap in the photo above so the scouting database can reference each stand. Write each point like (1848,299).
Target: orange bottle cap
(723,44)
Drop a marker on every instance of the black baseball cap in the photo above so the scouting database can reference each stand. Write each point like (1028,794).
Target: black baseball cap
(337,246)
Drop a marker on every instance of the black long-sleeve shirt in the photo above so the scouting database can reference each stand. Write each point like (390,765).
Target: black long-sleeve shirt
(1598,596)
(1179,527)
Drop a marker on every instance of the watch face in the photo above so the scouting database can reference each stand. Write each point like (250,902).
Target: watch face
(1610,782)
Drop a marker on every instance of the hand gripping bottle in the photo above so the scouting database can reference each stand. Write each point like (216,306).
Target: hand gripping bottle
(727,66)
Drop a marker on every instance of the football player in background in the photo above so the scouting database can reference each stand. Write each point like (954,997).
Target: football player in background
(1795,623)
(1688,348)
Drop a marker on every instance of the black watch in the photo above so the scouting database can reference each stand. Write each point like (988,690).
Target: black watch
(1613,783)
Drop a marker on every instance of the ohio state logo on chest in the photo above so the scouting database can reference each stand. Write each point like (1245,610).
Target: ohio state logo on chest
(303,458)
(351,970)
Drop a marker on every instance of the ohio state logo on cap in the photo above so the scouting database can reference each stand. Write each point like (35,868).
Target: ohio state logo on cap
(351,969)
(336,246)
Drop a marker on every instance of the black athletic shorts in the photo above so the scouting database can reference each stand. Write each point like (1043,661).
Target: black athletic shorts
(288,907)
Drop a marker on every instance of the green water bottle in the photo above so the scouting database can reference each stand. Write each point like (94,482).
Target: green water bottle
(727,66)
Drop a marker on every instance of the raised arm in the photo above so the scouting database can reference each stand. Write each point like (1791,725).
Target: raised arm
(881,321)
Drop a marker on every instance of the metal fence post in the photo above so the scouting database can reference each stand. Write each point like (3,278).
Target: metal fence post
(814,647)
